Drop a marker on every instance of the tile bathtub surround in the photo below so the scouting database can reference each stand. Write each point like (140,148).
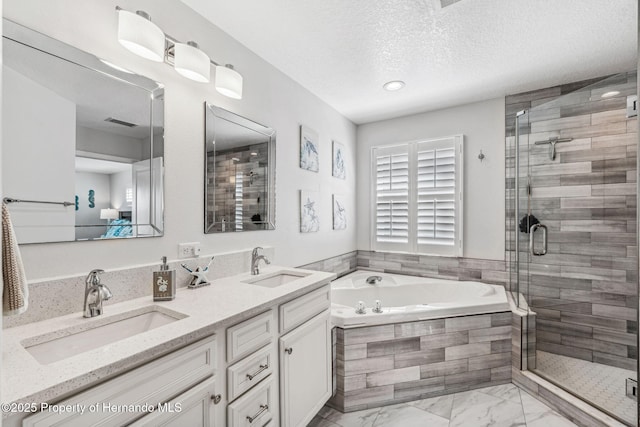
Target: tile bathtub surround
(388,364)
(585,290)
(65,295)
(481,270)
(496,406)
(341,264)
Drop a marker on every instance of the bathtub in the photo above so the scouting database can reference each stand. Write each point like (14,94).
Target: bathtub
(410,298)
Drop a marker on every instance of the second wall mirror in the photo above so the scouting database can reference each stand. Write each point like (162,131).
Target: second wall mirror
(240,167)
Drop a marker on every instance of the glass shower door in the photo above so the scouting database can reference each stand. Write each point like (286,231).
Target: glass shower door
(576,260)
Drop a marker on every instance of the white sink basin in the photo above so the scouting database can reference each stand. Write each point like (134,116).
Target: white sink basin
(276,279)
(65,343)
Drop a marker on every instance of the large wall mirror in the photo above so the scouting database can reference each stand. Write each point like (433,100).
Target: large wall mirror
(82,141)
(240,167)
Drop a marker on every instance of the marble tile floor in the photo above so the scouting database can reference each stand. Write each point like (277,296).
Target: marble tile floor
(602,385)
(498,406)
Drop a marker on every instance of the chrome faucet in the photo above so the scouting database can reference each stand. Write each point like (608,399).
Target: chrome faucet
(372,280)
(95,292)
(255,260)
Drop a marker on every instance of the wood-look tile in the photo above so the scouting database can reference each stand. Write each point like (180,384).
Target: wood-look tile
(594,226)
(449,339)
(383,348)
(467,350)
(501,374)
(595,345)
(444,368)
(368,396)
(578,330)
(611,165)
(417,358)
(561,191)
(351,352)
(421,328)
(500,319)
(597,321)
(419,389)
(614,312)
(490,361)
(565,350)
(615,336)
(467,322)
(593,273)
(393,376)
(594,249)
(613,177)
(369,334)
(468,378)
(363,366)
(608,141)
(352,382)
(501,346)
(561,124)
(612,360)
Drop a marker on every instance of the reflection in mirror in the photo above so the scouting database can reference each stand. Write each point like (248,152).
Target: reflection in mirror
(240,173)
(78,130)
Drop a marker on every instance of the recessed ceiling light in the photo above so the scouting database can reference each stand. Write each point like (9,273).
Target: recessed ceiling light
(393,85)
(610,94)
(253,153)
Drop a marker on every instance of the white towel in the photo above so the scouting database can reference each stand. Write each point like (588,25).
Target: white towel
(15,295)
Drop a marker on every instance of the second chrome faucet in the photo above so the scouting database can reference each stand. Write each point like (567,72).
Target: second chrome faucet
(255,261)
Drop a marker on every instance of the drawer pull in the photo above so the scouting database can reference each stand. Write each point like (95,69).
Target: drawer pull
(216,399)
(262,409)
(256,373)
(288,350)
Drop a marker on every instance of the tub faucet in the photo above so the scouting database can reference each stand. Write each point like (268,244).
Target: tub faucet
(372,280)
(95,292)
(255,260)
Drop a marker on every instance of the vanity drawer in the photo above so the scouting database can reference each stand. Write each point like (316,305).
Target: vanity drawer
(256,408)
(153,383)
(301,309)
(248,336)
(250,371)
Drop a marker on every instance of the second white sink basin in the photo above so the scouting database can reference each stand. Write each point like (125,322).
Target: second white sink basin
(273,280)
(65,343)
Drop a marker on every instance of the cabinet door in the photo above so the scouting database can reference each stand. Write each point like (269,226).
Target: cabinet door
(194,408)
(305,376)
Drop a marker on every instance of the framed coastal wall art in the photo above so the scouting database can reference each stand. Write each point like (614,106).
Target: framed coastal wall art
(309,211)
(339,166)
(309,158)
(339,213)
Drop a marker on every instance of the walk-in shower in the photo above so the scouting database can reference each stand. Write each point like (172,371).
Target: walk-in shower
(572,235)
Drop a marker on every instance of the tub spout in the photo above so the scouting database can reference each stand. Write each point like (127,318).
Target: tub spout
(372,280)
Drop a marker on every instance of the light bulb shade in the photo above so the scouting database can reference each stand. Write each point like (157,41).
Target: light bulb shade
(192,63)
(140,36)
(109,214)
(228,82)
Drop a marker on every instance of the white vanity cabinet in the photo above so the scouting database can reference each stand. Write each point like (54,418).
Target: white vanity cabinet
(305,357)
(175,388)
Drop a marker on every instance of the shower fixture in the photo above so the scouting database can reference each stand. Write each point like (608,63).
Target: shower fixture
(553,142)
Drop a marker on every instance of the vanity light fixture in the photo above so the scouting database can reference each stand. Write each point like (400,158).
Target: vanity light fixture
(393,85)
(191,62)
(115,67)
(138,34)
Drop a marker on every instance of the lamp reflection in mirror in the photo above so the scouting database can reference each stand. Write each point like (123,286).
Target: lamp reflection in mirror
(109,214)
(139,35)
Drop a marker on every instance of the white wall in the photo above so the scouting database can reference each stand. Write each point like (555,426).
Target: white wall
(119,182)
(270,98)
(110,144)
(482,125)
(100,184)
(33,170)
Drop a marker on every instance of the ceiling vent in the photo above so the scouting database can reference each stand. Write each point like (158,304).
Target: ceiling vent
(120,122)
(445,3)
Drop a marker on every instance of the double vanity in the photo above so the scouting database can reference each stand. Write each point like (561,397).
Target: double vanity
(249,350)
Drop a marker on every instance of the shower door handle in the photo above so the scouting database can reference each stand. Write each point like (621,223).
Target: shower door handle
(532,232)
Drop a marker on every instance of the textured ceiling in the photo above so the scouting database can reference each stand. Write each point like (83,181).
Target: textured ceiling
(344,50)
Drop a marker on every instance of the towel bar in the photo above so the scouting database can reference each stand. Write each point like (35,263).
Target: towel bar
(11,200)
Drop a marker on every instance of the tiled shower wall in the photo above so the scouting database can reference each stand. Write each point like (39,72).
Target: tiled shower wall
(585,289)
(222,171)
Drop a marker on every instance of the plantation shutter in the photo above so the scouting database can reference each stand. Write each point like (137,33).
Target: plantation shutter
(418,197)
(391,177)
(436,196)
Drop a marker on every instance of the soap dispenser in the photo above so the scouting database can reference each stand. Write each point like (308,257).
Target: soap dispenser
(164,283)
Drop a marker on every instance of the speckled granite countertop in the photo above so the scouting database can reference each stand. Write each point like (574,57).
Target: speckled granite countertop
(227,301)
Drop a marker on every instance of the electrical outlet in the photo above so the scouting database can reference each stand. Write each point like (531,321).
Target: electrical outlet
(189,250)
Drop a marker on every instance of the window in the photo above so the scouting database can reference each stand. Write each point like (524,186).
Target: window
(417,197)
